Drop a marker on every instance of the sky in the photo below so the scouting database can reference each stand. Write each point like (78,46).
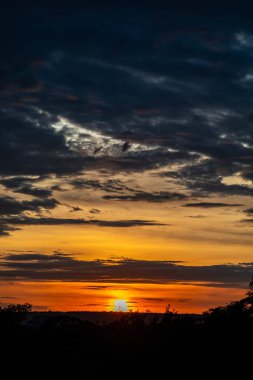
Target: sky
(126,156)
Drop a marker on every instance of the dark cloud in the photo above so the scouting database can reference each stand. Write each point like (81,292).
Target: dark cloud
(75,209)
(12,206)
(29,145)
(13,213)
(140,196)
(96,287)
(125,146)
(125,223)
(247,221)
(109,186)
(154,299)
(25,220)
(248,211)
(14,209)
(5,229)
(153,92)
(196,216)
(211,204)
(37,257)
(20,181)
(248,175)
(206,178)
(66,268)
(124,192)
(36,192)
(84,90)
(95,211)
(24,185)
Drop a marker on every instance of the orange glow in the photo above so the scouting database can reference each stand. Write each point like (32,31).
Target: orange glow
(70,296)
(184,235)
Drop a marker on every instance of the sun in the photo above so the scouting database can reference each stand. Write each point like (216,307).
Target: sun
(120,305)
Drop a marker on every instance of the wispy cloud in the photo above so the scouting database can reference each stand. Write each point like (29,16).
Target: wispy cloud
(211,205)
(142,196)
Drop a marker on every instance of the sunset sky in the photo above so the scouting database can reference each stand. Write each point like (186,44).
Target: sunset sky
(126,156)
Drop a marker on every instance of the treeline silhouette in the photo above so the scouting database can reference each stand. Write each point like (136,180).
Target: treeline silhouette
(134,345)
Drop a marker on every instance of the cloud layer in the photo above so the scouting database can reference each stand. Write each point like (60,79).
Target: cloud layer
(141,93)
(62,267)
(178,85)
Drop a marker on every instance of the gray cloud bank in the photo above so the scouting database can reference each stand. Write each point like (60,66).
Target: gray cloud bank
(63,267)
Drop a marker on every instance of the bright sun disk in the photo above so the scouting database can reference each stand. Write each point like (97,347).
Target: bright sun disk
(120,305)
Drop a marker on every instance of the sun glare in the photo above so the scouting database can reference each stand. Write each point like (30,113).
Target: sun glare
(120,305)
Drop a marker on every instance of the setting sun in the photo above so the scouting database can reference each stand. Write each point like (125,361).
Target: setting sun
(120,305)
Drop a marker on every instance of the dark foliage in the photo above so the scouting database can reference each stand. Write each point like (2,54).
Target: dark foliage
(17,308)
(133,344)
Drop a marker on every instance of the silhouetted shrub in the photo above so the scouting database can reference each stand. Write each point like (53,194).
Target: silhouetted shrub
(17,308)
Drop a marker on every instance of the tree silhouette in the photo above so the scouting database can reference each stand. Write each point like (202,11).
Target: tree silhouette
(17,308)
(251,284)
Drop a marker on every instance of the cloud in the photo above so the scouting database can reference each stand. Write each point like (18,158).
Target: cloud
(211,205)
(122,192)
(127,97)
(109,186)
(61,267)
(183,300)
(124,223)
(9,298)
(196,216)
(37,257)
(16,182)
(29,145)
(13,214)
(95,211)
(96,287)
(205,178)
(5,229)
(40,221)
(247,221)
(248,211)
(141,196)
(36,192)
(12,206)
(24,185)
(155,299)
(125,69)
(75,209)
